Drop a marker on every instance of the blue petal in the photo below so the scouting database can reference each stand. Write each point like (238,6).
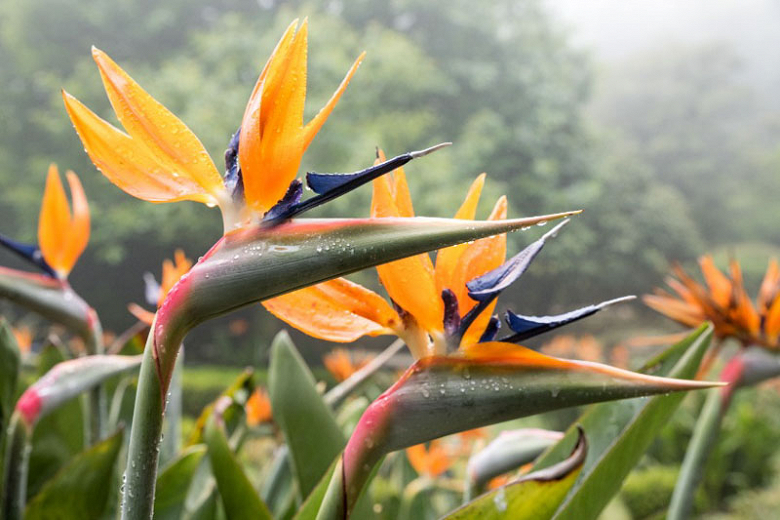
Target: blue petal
(525,327)
(285,208)
(151,289)
(30,252)
(329,186)
(486,288)
(491,330)
(451,312)
(489,285)
(234,180)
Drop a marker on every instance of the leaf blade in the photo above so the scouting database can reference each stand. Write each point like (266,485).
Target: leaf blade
(297,406)
(81,488)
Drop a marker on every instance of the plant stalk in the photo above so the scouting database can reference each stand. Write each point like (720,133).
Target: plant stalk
(144,449)
(17,457)
(97,396)
(702,442)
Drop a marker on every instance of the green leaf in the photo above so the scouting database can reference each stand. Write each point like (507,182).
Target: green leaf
(81,489)
(58,436)
(260,262)
(174,483)
(313,503)
(535,496)
(238,391)
(496,382)
(68,379)
(9,373)
(621,432)
(52,299)
(508,451)
(239,497)
(338,393)
(278,489)
(309,428)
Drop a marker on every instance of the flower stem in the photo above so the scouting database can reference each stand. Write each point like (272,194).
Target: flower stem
(144,449)
(97,396)
(17,459)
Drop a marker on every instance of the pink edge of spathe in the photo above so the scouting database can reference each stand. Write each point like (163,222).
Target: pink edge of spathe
(365,437)
(29,406)
(732,374)
(360,447)
(174,300)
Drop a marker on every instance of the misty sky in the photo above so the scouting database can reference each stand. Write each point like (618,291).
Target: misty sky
(616,28)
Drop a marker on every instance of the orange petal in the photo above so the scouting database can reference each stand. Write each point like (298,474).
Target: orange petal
(141,314)
(251,123)
(258,408)
(339,364)
(273,138)
(281,120)
(480,257)
(126,163)
(54,223)
(316,123)
(447,258)
(744,311)
(675,309)
(432,461)
(336,310)
(78,235)
(153,126)
(718,283)
(409,282)
(770,286)
(391,197)
(772,323)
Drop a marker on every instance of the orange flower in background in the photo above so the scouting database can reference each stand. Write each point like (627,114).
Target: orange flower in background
(62,234)
(258,408)
(725,302)
(585,347)
(159,159)
(172,271)
(343,311)
(431,461)
(341,364)
(24,338)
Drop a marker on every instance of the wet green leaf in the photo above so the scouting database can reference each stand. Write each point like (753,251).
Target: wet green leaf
(309,427)
(174,483)
(239,497)
(67,379)
(535,496)
(622,431)
(9,373)
(52,299)
(81,489)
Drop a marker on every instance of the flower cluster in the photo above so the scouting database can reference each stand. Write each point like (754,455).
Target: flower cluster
(724,301)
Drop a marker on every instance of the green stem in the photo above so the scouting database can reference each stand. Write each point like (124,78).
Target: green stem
(144,448)
(17,462)
(703,440)
(171,442)
(97,396)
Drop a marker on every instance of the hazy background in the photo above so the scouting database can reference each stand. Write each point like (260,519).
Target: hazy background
(660,119)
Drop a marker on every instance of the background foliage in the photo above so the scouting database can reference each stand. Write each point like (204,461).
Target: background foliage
(671,150)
